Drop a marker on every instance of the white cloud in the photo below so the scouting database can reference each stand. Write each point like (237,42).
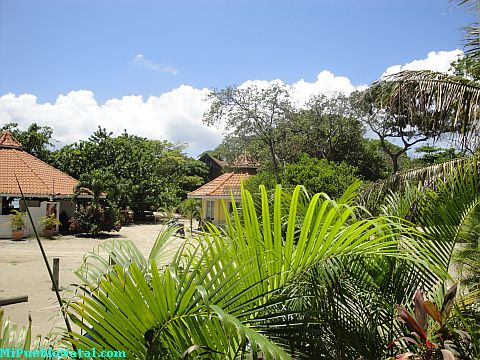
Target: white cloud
(150,65)
(435,61)
(326,83)
(175,116)
(301,91)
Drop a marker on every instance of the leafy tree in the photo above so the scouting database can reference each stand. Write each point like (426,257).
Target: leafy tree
(101,214)
(252,113)
(320,176)
(327,129)
(316,175)
(393,120)
(427,103)
(36,140)
(264,178)
(146,173)
(435,155)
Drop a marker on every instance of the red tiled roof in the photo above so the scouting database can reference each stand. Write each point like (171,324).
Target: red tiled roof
(222,186)
(35,176)
(245,161)
(7,140)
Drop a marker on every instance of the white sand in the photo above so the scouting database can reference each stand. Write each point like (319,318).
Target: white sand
(23,272)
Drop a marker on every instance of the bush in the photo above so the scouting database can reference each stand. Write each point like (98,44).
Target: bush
(320,176)
(94,219)
(316,175)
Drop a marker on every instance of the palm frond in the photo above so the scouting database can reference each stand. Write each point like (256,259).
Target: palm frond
(215,295)
(428,176)
(14,336)
(97,262)
(436,101)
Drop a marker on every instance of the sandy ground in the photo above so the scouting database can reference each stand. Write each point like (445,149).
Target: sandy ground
(23,272)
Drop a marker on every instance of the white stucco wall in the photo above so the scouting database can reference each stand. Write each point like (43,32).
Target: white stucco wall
(37,213)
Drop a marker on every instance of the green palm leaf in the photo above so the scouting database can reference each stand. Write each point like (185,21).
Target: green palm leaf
(214,296)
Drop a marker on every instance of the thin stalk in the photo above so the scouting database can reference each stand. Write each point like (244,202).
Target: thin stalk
(42,250)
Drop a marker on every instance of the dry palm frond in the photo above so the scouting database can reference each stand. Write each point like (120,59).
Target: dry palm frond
(428,176)
(436,102)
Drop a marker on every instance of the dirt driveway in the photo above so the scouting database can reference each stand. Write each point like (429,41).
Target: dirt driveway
(22,271)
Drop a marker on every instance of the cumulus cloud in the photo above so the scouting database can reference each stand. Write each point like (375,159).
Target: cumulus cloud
(301,91)
(435,61)
(326,83)
(151,65)
(175,116)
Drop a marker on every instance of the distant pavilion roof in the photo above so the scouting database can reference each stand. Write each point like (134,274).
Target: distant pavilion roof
(8,141)
(246,161)
(37,178)
(221,187)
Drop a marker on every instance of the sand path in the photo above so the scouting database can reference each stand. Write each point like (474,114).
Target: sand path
(22,271)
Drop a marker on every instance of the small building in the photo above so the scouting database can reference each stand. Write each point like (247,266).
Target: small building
(215,166)
(47,190)
(222,188)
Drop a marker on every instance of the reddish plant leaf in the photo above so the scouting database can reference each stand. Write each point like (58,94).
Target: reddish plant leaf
(420,314)
(410,322)
(432,310)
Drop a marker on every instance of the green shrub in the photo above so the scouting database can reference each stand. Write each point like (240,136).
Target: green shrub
(94,219)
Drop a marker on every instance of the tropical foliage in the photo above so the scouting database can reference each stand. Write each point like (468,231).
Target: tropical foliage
(94,219)
(233,293)
(315,175)
(14,336)
(134,172)
(17,221)
(36,140)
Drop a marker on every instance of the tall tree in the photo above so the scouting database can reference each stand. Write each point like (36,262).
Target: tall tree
(327,129)
(394,120)
(417,105)
(252,113)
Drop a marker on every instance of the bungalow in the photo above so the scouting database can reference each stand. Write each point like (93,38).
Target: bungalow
(47,190)
(222,188)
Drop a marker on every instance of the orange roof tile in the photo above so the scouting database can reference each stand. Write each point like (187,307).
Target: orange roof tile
(221,187)
(7,140)
(244,160)
(35,176)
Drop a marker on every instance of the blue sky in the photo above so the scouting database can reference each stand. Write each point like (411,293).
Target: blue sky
(79,64)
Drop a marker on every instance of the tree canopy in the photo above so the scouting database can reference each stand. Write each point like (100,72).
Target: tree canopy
(141,173)
(252,114)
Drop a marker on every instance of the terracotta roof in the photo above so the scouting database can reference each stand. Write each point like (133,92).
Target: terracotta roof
(35,176)
(8,141)
(221,187)
(245,161)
